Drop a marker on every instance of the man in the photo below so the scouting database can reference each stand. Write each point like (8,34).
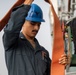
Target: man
(23,54)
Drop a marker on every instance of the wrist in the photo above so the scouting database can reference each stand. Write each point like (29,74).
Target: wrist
(27,3)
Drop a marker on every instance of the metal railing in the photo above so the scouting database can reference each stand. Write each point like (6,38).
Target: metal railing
(70,73)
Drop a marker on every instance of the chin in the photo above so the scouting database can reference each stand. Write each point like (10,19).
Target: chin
(33,36)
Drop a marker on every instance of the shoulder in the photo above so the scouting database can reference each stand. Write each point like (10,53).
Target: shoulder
(44,49)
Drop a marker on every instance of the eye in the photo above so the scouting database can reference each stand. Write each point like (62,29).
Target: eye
(35,23)
(39,25)
(32,23)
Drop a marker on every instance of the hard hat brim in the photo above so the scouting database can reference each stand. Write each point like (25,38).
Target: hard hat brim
(35,19)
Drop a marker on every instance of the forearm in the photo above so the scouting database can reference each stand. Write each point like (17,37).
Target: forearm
(17,19)
(13,28)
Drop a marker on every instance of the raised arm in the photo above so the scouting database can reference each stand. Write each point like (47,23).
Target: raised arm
(14,25)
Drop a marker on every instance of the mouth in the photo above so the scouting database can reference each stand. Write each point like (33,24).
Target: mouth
(34,32)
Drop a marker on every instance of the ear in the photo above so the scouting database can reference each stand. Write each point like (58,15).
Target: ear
(6,17)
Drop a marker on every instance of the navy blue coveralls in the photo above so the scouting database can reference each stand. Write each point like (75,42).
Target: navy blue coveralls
(21,58)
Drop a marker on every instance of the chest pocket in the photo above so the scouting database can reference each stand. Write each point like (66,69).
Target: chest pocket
(42,62)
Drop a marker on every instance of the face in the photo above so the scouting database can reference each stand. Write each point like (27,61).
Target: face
(30,28)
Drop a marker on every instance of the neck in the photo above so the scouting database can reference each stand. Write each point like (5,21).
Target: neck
(30,39)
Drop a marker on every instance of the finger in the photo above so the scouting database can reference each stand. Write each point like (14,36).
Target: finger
(63,61)
(64,55)
(63,58)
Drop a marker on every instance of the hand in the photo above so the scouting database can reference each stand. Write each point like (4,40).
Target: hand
(21,0)
(28,2)
(64,60)
(48,1)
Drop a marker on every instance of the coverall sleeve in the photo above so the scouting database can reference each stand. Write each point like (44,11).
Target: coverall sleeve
(49,66)
(48,70)
(14,25)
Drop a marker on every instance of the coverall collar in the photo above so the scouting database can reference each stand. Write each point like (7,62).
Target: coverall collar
(38,47)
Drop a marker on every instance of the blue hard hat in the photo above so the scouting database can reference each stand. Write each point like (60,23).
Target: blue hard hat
(35,14)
